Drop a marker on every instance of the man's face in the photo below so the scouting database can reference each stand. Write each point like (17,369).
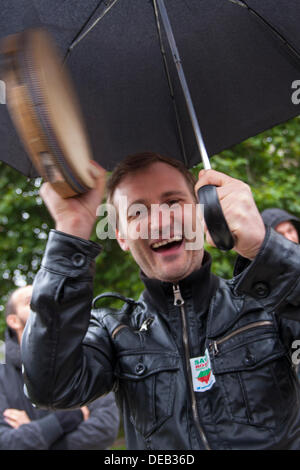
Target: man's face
(160,250)
(21,299)
(288,230)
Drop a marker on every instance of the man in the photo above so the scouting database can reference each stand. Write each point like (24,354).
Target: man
(283,222)
(280,220)
(287,225)
(197,362)
(23,427)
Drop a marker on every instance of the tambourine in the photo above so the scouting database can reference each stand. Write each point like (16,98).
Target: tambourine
(44,109)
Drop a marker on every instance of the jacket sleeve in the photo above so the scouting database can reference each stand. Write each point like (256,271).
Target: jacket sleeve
(273,277)
(30,436)
(98,432)
(59,370)
(39,434)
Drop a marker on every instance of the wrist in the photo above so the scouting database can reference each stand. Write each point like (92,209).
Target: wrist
(257,244)
(76,227)
(249,247)
(70,254)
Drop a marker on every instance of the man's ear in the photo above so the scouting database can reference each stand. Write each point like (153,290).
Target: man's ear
(122,241)
(13,321)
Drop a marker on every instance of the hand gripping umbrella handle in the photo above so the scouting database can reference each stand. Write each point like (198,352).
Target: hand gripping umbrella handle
(207,195)
(214,218)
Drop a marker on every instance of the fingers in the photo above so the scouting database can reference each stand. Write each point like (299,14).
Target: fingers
(239,209)
(76,215)
(212,177)
(46,189)
(225,185)
(98,166)
(86,412)
(11,417)
(11,422)
(11,413)
(96,170)
(98,173)
(15,418)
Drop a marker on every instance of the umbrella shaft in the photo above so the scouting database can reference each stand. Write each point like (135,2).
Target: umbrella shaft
(193,116)
(184,85)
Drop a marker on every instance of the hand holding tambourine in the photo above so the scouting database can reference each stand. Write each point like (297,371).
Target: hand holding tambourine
(45,111)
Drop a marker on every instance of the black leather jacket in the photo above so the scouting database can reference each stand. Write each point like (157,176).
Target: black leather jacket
(142,351)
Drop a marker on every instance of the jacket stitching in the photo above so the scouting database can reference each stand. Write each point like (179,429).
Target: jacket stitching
(245,398)
(88,278)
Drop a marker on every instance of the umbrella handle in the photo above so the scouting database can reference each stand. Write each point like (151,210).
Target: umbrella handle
(214,218)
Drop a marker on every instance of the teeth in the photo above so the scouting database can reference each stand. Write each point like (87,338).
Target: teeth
(165,242)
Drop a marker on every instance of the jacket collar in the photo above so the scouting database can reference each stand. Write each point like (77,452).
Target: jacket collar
(199,286)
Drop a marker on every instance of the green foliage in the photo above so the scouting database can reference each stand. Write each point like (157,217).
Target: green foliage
(24,226)
(269,163)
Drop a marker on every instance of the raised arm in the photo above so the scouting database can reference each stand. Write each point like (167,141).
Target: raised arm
(59,371)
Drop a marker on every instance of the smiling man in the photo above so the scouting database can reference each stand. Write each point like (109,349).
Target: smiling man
(162,253)
(196,362)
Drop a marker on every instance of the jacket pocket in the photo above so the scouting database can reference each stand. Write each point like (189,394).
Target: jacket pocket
(147,381)
(254,374)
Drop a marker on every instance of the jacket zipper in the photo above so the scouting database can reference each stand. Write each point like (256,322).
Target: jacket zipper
(179,302)
(214,345)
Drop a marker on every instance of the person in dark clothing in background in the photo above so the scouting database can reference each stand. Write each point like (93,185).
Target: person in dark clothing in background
(24,427)
(280,220)
(287,225)
(283,222)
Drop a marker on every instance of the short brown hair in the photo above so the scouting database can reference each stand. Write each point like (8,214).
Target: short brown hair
(142,160)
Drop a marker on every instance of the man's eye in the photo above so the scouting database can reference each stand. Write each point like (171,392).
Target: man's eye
(172,202)
(136,215)
(133,216)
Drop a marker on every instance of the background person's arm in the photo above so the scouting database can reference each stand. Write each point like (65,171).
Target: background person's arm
(98,431)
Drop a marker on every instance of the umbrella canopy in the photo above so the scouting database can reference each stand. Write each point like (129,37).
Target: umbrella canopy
(239,63)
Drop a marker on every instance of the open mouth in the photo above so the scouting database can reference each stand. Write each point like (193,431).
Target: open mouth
(164,246)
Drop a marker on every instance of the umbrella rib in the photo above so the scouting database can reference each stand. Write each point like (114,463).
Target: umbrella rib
(81,36)
(244,4)
(80,30)
(170,84)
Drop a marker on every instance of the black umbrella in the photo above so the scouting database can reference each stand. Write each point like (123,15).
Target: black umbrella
(240,60)
(239,64)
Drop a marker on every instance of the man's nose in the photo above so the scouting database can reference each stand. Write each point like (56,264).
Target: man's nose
(161,219)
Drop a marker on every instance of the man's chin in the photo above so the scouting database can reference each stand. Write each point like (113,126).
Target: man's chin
(173,276)
(180,270)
